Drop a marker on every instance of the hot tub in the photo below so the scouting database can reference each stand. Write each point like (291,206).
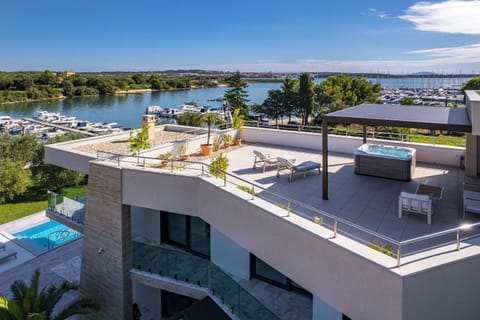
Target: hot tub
(385,161)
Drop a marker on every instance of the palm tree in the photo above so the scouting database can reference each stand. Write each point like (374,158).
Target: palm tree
(31,304)
(209,119)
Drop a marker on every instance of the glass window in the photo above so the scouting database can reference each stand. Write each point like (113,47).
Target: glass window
(189,233)
(265,272)
(199,236)
(176,228)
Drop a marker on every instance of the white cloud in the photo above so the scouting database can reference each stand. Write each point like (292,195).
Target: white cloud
(449,59)
(455,16)
(379,14)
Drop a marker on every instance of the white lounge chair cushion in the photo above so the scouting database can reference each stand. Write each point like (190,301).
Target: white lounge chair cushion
(415,202)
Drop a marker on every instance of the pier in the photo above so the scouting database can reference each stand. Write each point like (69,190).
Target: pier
(90,134)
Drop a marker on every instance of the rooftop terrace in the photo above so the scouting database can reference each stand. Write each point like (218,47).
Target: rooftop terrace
(365,206)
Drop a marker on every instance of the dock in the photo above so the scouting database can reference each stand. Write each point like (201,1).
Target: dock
(60,127)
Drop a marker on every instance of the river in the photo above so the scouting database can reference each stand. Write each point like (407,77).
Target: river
(128,109)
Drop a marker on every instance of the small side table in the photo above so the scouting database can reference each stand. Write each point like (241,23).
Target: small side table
(434,192)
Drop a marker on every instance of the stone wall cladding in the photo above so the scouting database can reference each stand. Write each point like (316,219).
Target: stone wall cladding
(106,276)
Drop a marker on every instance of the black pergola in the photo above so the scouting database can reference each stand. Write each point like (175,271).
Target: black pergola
(394,115)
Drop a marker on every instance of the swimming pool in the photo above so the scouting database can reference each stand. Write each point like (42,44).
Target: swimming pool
(45,236)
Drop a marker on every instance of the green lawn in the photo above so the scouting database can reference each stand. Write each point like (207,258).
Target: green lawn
(74,192)
(14,211)
(33,201)
(441,140)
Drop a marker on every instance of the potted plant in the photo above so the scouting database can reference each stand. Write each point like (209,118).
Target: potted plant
(183,152)
(209,119)
(237,124)
(226,140)
(219,165)
(164,157)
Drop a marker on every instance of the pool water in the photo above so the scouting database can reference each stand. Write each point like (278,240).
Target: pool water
(46,236)
(388,151)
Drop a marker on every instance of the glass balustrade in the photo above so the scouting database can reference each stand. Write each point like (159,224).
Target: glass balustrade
(191,269)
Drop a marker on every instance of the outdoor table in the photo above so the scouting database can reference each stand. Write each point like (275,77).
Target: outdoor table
(434,192)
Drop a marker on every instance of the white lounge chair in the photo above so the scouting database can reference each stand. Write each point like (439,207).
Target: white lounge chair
(7,254)
(416,203)
(304,167)
(265,159)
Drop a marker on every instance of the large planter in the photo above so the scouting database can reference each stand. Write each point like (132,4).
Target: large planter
(206,149)
(237,141)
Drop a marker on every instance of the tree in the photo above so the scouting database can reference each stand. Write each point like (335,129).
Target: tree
(139,141)
(472,84)
(341,91)
(31,302)
(306,96)
(156,82)
(47,78)
(67,86)
(273,106)
(236,96)
(407,101)
(139,78)
(14,179)
(290,97)
(191,119)
(210,119)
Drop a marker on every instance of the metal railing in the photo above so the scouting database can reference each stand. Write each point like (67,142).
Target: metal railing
(194,270)
(337,225)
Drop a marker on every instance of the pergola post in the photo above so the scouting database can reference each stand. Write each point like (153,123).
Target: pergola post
(364,133)
(325,158)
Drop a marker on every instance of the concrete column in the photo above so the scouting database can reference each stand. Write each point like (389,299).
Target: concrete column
(323,311)
(228,255)
(107,256)
(471,155)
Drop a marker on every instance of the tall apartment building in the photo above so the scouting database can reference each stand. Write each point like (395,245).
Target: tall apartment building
(172,237)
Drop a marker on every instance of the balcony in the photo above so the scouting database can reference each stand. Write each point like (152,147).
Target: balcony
(187,269)
(65,210)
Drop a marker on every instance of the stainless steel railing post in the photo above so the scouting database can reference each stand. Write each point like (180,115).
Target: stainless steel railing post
(289,208)
(398,256)
(253,192)
(458,240)
(335,224)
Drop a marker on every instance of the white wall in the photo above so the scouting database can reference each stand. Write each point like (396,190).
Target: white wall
(147,298)
(322,311)
(435,154)
(228,255)
(146,225)
(473,108)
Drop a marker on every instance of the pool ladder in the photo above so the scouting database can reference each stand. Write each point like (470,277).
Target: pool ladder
(60,235)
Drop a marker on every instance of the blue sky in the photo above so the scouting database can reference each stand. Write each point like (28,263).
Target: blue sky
(281,36)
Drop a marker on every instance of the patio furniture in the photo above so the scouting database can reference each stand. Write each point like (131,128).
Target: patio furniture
(7,254)
(416,203)
(2,246)
(304,167)
(434,192)
(265,159)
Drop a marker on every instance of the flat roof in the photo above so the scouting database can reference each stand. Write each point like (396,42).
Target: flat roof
(421,117)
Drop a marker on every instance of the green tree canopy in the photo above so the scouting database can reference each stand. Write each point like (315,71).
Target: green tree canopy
(407,101)
(14,179)
(341,91)
(290,97)
(273,106)
(139,140)
(237,95)
(31,302)
(191,119)
(306,96)
(472,84)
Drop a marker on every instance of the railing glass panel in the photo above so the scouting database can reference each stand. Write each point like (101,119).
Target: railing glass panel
(188,268)
(69,208)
